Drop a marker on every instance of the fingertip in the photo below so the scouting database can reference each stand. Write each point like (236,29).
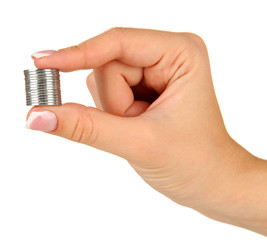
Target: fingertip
(42,58)
(65,59)
(38,63)
(45,121)
(33,109)
(41,54)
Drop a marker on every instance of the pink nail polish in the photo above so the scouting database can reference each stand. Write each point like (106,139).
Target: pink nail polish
(43,121)
(44,53)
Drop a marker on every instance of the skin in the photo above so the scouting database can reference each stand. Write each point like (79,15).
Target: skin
(156,107)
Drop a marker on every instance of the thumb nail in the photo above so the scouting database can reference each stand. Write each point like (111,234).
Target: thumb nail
(43,121)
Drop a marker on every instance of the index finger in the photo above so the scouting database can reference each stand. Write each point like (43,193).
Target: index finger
(135,47)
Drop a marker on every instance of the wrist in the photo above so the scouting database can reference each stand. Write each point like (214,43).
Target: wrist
(239,195)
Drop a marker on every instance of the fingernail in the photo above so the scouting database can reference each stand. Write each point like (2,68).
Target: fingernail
(43,53)
(43,121)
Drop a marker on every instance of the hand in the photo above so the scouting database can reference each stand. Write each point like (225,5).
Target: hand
(156,108)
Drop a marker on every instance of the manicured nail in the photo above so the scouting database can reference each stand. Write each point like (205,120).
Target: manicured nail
(43,121)
(43,54)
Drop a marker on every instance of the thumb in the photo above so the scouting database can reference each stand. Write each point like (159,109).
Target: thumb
(118,135)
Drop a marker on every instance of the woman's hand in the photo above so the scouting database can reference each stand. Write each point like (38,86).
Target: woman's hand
(157,108)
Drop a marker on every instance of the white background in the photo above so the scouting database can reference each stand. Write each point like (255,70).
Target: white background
(51,188)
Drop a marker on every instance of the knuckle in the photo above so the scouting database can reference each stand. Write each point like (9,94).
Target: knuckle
(77,131)
(90,81)
(84,130)
(82,49)
(160,73)
(107,69)
(196,41)
(108,66)
(116,30)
